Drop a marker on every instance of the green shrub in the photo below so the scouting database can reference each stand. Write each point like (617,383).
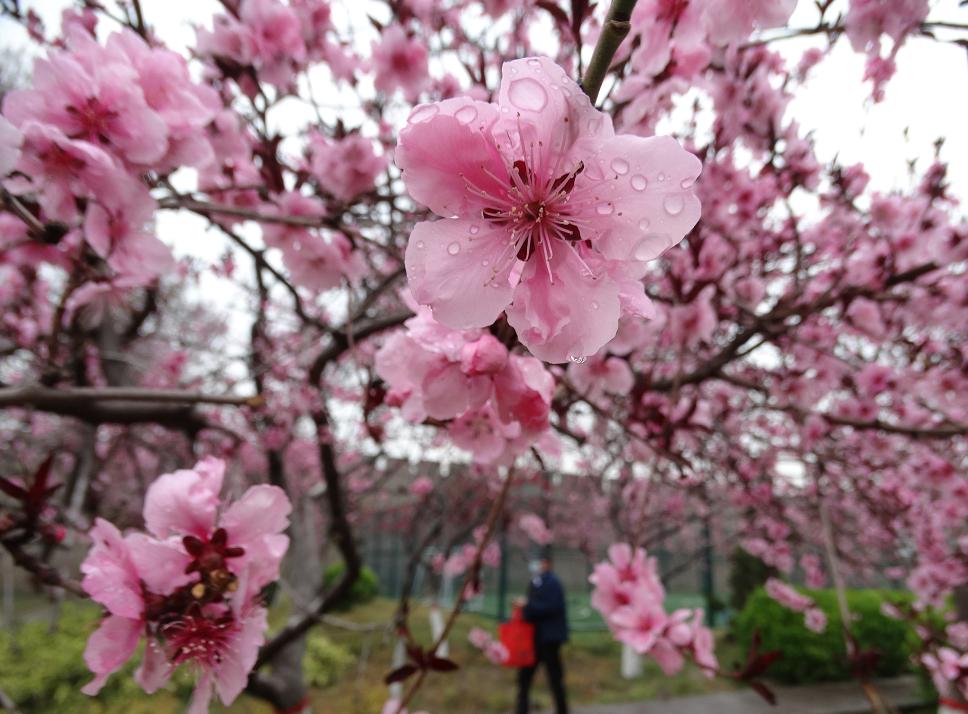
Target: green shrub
(325,661)
(812,657)
(366,587)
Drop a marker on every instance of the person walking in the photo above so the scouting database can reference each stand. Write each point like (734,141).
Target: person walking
(545,609)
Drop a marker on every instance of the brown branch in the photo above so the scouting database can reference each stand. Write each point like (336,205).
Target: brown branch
(43,397)
(472,572)
(41,570)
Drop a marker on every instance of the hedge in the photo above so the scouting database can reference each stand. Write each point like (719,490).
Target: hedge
(811,657)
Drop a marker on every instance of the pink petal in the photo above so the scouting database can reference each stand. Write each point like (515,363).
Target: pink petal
(109,647)
(263,510)
(202,696)
(111,577)
(232,672)
(155,669)
(184,502)
(442,148)
(557,117)
(651,199)
(572,317)
(161,564)
(450,264)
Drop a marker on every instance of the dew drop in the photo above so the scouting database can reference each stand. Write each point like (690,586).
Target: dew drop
(420,244)
(661,178)
(645,224)
(594,305)
(577,359)
(474,230)
(485,262)
(620,166)
(422,113)
(687,183)
(673,204)
(527,94)
(534,62)
(465,115)
(454,248)
(594,171)
(604,209)
(639,182)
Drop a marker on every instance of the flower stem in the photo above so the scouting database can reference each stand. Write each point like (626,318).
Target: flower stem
(614,30)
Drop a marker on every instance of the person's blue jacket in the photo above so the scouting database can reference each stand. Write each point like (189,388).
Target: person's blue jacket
(546,609)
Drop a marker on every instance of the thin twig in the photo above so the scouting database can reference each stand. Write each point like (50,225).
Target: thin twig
(616,28)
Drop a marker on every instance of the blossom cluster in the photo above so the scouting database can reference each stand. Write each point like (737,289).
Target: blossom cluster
(544,212)
(190,586)
(496,404)
(95,120)
(493,649)
(630,596)
(813,617)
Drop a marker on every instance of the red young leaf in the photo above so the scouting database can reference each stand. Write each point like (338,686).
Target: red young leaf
(400,673)
(764,692)
(442,664)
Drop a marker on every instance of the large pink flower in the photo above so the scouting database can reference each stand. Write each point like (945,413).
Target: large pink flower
(190,586)
(546,212)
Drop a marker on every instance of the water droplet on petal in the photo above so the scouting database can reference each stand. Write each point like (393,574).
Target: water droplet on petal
(465,115)
(420,244)
(594,171)
(620,166)
(577,359)
(639,182)
(527,94)
(454,248)
(475,230)
(687,183)
(645,224)
(594,305)
(673,204)
(533,62)
(661,178)
(604,209)
(485,262)
(423,113)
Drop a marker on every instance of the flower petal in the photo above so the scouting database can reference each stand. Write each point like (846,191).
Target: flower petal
(263,510)
(538,99)
(651,201)
(232,672)
(451,267)
(110,574)
(445,147)
(161,564)
(185,502)
(569,317)
(108,648)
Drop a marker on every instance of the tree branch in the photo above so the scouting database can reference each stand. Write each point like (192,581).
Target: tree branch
(615,29)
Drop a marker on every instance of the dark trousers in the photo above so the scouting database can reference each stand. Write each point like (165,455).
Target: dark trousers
(548,654)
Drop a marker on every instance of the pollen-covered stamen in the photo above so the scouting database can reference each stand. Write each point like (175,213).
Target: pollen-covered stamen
(199,638)
(536,212)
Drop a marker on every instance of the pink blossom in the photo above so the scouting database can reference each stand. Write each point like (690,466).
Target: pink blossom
(640,623)
(555,215)
(601,375)
(189,586)
(729,21)
(815,620)
(89,97)
(787,596)
(345,167)
(534,526)
(400,62)
(421,486)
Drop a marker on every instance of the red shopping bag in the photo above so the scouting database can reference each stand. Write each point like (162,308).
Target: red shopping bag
(518,637)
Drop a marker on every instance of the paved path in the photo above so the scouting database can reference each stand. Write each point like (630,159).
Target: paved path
(833,698)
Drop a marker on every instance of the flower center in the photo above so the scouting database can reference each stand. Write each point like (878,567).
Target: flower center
(199,638)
